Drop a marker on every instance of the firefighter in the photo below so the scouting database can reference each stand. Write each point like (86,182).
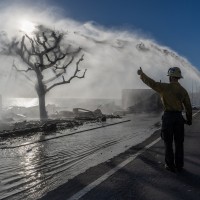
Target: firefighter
(174,98)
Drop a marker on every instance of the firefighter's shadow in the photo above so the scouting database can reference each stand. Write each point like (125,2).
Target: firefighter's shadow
(192,180)
(184,178)
(148,174)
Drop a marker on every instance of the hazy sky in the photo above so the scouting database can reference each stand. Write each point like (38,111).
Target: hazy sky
(117,37)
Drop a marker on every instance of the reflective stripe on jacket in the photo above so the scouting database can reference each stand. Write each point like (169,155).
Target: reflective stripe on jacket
(174,97)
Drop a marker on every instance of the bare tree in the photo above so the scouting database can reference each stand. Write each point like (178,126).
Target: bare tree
(45,53)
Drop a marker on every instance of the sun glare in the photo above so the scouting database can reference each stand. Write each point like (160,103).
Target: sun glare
(27,26)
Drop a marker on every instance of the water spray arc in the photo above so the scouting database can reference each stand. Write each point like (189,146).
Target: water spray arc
(111,56)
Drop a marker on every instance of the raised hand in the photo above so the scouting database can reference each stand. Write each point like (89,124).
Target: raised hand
(139,72)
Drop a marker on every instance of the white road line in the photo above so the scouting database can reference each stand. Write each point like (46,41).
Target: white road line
(195,113)
(92,185)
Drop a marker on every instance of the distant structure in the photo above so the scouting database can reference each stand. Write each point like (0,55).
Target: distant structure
(141,100)
(131,97)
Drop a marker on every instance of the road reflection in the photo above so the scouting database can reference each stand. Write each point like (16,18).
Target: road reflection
(29,172)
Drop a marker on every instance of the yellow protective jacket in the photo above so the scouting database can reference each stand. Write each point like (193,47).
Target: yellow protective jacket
(174,97)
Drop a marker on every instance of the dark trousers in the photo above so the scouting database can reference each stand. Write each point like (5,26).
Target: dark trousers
(173,131)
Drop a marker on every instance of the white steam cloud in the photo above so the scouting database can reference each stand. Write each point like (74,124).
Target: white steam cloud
(112,57)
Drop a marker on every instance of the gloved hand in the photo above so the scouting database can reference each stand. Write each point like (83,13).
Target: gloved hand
(139,72)
(188,122)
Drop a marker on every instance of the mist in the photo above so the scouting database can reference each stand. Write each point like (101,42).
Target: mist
(111,56)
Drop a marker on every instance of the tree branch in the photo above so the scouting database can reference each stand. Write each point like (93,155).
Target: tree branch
(58,58)
(60,73)
(19,70)
(72,77)
(57,40)
(32,45)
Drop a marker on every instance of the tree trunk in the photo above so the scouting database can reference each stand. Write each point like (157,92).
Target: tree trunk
(42,107)
(41,91)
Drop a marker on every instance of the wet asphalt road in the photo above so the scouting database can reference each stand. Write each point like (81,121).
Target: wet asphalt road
(32,170)
(144,178)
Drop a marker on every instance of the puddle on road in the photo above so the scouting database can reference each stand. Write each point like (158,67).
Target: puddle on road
(31,171)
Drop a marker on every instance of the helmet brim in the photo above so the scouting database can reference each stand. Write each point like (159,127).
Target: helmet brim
(175,76)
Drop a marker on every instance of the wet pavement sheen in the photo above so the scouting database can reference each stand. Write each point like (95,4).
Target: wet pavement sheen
(30,171)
